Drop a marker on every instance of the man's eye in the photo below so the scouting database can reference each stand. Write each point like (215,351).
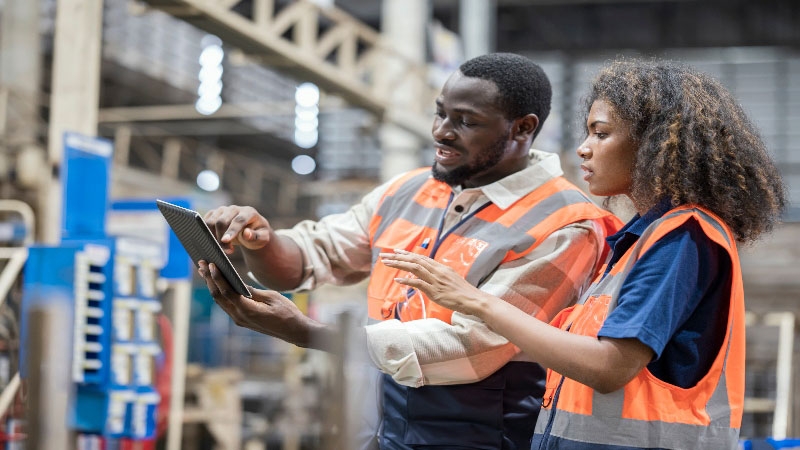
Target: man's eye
(466,123)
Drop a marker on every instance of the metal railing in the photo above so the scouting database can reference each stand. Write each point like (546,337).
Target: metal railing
(16,257)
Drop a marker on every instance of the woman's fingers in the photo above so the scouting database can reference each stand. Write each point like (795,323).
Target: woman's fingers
(419,265)
(414,283)
(424,261)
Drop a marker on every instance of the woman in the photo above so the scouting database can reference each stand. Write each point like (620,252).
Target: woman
(653,355)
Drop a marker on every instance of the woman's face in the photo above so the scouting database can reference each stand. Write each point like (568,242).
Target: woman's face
(608,152)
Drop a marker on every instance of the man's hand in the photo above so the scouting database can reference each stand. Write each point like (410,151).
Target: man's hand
(268,312)
(239,225)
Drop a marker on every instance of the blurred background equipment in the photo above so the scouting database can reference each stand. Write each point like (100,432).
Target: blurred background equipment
(91,316)
(298,108)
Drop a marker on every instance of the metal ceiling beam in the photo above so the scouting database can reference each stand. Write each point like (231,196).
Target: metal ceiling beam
(160,113)
(583,2)
(324,45)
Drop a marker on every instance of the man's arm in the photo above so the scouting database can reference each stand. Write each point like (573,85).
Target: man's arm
(275,260)
(278,265)
(547,280)
(267,312)
(334,249)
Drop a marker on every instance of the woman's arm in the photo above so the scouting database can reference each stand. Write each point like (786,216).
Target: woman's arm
(603,364)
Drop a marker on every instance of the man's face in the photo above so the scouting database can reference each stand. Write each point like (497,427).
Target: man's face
(471,134)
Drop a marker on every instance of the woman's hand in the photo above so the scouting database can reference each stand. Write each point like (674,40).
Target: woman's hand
(603,364)
(439,282)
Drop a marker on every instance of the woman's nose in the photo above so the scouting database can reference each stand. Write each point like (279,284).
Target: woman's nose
(583,151)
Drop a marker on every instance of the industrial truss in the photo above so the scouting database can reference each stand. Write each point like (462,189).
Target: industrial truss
(324,45)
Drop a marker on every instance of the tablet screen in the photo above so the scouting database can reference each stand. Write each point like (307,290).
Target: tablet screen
(199,242)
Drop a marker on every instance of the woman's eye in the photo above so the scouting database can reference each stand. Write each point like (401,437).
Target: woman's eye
(466,123)
(601,135)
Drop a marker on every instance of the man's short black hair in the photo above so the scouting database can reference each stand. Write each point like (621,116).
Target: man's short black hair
(523,86)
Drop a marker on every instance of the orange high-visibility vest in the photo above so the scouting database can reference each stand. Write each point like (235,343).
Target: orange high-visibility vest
(648,412)
(408,218)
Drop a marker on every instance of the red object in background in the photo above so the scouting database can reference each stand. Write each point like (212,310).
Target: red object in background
(164,375)
(12,424)
(97,442)
(13,432)
(130,444)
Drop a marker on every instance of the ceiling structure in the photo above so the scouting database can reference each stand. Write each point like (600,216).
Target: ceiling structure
(585,25)
(522,26)
(300,40)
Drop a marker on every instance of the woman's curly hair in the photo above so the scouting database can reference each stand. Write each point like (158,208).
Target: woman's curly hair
(695,143)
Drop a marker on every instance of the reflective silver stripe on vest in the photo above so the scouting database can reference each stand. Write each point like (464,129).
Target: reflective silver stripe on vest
(711,221)
(639,433)
(501,238)
(607,408)
(606,284)
(719,407)
(386,210)
(541,422)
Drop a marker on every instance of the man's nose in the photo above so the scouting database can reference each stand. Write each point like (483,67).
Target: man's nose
(442,129)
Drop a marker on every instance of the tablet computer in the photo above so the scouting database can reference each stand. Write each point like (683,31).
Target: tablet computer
(200,243)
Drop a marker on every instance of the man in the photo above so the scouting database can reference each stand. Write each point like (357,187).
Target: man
(499,213)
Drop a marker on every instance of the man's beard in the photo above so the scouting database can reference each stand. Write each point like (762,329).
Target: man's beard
(486,160)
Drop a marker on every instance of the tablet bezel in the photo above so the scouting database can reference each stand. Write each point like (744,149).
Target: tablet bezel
(200,243)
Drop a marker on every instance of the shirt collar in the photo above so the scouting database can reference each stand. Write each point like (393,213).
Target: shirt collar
(542,167)
(637,225)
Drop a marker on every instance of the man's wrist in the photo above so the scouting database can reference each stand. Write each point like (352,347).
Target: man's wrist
(318,336)
(330,338)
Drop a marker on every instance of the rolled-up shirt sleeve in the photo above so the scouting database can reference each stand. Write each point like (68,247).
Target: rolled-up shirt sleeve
(431,352)
(336,249)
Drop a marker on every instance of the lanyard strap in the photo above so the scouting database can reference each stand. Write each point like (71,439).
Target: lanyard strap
(441,237)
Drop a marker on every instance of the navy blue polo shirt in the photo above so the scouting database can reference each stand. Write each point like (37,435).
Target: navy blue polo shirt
(675,300)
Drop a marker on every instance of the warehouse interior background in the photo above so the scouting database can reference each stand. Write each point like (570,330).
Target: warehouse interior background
(298,108)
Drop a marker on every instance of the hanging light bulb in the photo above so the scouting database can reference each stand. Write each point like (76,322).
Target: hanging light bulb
(209,92)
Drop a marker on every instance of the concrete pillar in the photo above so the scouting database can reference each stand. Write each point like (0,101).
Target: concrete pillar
(75,94)
(476,20)
(403,25)
(47,381)
(181,309)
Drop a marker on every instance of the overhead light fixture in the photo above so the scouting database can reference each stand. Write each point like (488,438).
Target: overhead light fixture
(306,112)
(209,93)
(208,180)
(303,164)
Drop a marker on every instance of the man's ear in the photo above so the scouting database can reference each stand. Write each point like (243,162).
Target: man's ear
(525,127)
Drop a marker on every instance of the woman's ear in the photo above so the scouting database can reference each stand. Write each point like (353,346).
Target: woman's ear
(524,128)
